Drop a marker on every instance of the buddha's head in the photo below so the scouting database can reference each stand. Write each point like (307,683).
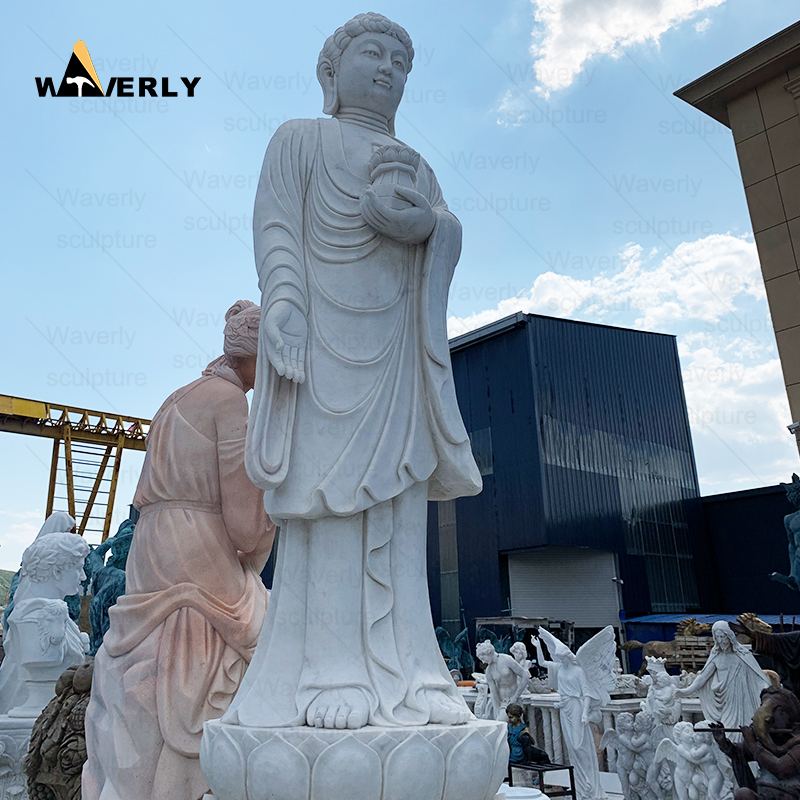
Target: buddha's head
(364,66)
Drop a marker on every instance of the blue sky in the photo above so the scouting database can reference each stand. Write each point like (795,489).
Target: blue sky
(585,189)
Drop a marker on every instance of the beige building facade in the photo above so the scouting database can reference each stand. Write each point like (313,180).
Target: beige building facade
(757,95)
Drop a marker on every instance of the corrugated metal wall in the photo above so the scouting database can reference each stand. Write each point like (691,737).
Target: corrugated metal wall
(617,450)
(582,436)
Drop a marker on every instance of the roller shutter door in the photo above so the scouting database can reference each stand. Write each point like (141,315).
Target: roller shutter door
(565,583)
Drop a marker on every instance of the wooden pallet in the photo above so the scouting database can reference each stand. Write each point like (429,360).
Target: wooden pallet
(692,652)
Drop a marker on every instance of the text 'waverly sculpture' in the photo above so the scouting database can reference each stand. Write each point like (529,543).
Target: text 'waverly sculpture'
(354,427)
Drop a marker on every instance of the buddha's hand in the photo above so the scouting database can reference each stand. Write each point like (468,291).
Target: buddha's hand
(407,225)
(287,334)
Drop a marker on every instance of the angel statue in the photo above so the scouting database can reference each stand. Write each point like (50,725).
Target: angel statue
(697,773)
(620,740)
(662,699)
(584,681)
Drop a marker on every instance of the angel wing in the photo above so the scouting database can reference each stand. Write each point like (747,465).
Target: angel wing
(610,739)
(596,657)
(667,750)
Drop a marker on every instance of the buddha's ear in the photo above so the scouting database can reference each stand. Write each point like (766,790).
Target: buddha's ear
(326,75)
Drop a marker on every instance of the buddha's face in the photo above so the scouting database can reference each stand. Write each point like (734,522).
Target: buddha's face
(372,74)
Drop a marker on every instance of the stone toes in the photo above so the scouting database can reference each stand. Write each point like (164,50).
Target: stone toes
(341,718)
(357,718)
(329,720)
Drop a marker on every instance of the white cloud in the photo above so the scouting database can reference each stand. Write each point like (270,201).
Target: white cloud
(699,280)
(711,293)
(703,25)
(570,32)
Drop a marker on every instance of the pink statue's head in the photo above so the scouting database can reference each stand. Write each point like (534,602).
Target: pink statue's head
(241,344)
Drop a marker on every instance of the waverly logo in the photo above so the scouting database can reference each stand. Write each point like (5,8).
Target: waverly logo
(80,80)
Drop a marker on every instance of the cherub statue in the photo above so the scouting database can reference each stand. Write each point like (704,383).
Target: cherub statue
(506,678)
(662,699)
(688,778)
(773,741)
(584,681)
(621,740)
(792,524)
(644,779)
(697,769)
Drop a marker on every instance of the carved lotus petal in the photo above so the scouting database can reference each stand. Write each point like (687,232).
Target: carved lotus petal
(500,767)
(277,770)
(414,769)
(225,773)
(469,768)
(347,769)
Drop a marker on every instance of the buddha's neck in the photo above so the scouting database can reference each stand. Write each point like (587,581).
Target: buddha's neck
(366,119)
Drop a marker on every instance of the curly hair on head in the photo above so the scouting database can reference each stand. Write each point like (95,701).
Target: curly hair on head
(49,557)
(370,22)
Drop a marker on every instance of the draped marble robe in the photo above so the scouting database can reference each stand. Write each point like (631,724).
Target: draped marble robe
(183,634)
(367,439)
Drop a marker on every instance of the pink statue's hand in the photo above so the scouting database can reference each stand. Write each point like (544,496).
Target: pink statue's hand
(287,333)
(408,225)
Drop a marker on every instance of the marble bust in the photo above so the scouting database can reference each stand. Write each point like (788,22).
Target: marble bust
(355,424)
(42,641)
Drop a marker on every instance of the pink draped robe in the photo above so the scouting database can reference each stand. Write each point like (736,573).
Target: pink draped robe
(183,634)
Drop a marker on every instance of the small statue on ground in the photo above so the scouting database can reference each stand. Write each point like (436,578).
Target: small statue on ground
(506,678)
(773,741)
(792,524)
(57,750)
(42,641)
(730,683)
(522,749)
(584,681)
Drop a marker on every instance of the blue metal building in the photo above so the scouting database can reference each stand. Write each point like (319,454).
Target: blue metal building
(590,509)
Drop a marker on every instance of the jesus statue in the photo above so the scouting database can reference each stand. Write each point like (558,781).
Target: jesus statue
(355,424)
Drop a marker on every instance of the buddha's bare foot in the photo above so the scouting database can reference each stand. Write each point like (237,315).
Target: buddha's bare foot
(446,710)
(338,708)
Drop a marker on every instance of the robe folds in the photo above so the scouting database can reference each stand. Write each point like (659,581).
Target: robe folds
(377,412)
(183,634)
(349,458)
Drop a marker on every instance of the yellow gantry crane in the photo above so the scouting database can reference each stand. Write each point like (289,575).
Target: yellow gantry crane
(86,445)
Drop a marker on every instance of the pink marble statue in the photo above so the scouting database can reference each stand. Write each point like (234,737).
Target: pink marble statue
(184,632)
